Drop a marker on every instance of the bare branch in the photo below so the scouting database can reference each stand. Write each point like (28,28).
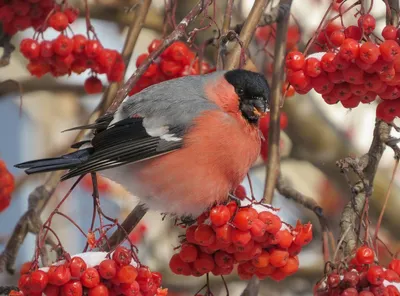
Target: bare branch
(289,192)
(393,17)
(278,12)
(227,17)
(33,84)
(140,15)
(273,166)
(367,168)
(369,164)
(225,28)
(246,34)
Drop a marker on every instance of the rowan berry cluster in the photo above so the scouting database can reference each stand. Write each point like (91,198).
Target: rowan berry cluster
(6,186)
(19,15)
(115,276)
(354,69)
(362,276)
(253,238)
(175,61)
(63,55)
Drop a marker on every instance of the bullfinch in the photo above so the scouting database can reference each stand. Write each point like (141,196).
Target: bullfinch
(180,145)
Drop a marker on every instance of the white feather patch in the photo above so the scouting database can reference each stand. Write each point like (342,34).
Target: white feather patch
(170,138)
(156,132)
(162,132)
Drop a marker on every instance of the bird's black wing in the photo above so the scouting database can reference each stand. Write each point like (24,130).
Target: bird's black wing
(126,141)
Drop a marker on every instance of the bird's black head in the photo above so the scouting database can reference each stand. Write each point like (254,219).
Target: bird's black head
(253,91)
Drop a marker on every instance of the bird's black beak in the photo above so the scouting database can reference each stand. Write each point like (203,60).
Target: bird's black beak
(260,106)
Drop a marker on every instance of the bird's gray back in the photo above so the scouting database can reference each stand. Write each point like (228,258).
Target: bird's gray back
(173,103)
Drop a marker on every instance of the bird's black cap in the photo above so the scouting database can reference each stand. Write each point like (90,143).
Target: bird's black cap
(253,91)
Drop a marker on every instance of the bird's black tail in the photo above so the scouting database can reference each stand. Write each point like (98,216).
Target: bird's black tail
(67,161)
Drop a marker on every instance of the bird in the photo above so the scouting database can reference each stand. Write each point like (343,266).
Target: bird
(180,146)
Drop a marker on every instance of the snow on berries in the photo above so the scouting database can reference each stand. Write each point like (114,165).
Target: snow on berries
(65,54)
(176,61)
(351,69)
(252,239)
(6,186)
(93,274)
(361,275)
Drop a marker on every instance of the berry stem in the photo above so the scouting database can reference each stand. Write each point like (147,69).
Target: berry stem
(311,41)
(92,223)
(72,221)
(370,7)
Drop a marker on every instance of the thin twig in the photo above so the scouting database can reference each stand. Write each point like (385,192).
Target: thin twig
(276,13)
(246,34)
(225,28)
(273,163)
(140,15)
(227,17)
(289,192)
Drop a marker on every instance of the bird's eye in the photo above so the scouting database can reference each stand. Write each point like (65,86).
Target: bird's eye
(239,91)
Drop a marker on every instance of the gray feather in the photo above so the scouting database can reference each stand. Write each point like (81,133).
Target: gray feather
(173,103)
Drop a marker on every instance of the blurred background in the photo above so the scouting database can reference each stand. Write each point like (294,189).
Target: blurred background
(316,136)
